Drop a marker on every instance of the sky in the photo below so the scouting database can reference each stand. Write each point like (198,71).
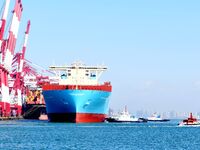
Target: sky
(151,47)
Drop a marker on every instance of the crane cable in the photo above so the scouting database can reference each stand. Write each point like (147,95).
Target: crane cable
(42,69)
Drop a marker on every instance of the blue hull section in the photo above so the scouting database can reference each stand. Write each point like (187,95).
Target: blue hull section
(76,101)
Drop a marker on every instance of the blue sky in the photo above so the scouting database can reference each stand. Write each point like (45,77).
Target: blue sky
(151,47)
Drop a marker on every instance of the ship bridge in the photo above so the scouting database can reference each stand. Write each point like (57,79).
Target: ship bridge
(78,74)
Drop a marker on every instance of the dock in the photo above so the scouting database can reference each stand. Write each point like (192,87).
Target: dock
(11,118)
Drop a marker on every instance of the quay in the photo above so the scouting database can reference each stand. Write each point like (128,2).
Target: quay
(11,118)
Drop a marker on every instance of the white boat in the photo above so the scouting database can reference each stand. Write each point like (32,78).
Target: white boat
(191,121)
(124,116)
(156,118)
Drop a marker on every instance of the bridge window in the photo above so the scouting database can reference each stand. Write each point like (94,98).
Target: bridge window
(93,76)
(63,76)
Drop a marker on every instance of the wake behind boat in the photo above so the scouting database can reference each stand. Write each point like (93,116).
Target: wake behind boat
(191,121)
(124,116)
(157,118)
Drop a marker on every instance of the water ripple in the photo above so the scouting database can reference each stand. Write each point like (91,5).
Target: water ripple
(39,135)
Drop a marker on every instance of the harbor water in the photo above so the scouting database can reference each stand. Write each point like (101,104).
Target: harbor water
(30,134)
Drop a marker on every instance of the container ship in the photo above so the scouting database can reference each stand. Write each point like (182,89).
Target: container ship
(78,96)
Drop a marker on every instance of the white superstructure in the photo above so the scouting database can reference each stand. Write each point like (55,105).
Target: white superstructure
(124,116)
(78,74)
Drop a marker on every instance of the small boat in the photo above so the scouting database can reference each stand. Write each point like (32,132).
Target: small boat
(43,117)
(191,121)
(124,116)
(157,118)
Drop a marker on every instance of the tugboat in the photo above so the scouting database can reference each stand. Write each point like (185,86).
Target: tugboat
(125,117)
(191,121)
(157,118)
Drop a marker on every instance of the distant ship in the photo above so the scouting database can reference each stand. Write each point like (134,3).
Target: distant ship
(157,118)
(78,96)
(191,121)
(124,116)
